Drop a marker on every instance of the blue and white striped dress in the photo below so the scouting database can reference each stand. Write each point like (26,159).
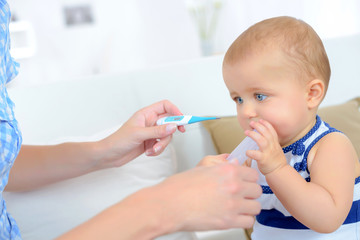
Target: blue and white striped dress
(10,136)
(275,222)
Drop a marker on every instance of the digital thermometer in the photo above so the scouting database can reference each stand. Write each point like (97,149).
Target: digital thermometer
(182,120)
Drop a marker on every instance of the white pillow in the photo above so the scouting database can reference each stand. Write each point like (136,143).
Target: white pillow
(52,210)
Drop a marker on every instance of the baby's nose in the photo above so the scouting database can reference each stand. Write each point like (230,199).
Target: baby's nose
(248,110)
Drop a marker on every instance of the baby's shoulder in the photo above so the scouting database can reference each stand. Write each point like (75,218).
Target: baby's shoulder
(332,145)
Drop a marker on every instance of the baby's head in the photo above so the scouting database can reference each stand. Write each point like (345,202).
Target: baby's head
(302,48)
(281,63)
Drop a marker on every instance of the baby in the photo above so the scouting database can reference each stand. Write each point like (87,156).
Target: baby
(277,72)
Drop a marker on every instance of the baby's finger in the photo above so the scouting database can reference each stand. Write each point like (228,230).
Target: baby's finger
(270,128)
(254,135)
(258,127)
(263,136)
(264,128)
(253,154)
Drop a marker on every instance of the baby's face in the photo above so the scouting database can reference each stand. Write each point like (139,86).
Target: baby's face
(265,87)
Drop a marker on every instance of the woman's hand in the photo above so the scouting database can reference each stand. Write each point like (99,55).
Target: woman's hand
(216,197)
(203,198)
(213,160)
(39,165)
(140,134)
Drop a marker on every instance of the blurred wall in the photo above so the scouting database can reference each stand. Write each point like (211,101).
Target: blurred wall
(127,35)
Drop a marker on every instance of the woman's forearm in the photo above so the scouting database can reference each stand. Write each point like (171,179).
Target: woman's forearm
(195,200)
(137,217)
(37,166)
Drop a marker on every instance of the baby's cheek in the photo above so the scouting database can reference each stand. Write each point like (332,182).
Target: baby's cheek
(283,131)
(243,123)
(277,123)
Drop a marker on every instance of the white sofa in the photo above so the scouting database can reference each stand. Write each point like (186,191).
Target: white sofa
(90,108)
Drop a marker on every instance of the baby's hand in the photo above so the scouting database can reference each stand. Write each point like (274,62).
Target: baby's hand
(213,160)
(270,155)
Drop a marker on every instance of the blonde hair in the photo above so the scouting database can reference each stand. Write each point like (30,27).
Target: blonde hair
(298,40)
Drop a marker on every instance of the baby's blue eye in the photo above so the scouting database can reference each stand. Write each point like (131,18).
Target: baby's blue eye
(239,100)
(260,97)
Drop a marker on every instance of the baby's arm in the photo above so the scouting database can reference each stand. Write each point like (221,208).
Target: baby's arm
(323,203)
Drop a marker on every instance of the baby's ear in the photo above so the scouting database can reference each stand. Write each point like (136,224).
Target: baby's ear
(315,93)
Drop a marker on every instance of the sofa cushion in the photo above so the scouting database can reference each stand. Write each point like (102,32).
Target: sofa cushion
(346,118)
